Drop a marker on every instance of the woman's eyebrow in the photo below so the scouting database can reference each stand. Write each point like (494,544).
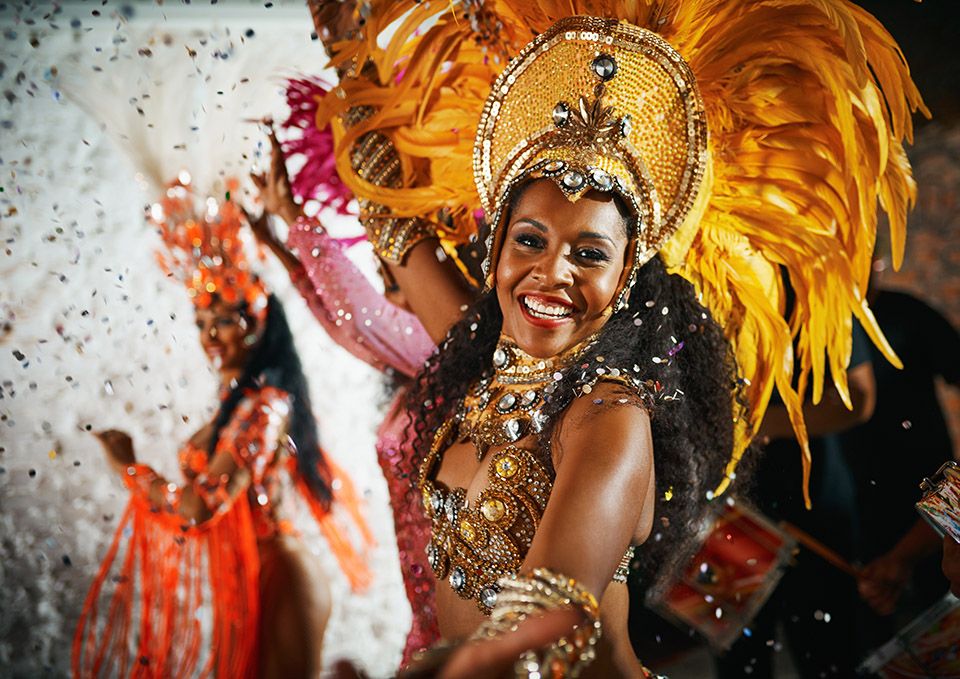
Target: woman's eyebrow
(595,235)
(534,223)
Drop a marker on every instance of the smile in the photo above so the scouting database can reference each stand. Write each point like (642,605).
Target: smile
(546,310)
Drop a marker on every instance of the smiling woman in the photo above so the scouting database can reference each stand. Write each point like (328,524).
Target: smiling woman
(222,537)
(587,397)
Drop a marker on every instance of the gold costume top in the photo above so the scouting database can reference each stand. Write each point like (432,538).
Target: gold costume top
(476,543)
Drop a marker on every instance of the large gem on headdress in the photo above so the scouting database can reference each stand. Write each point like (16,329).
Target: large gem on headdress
(601,180)
(573,180)
(604,66)
(561,114)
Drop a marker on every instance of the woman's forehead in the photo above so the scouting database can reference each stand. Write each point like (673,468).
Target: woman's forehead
(543,202)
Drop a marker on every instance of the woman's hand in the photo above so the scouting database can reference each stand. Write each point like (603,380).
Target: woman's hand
(261,229)
(275,191)
(119,448)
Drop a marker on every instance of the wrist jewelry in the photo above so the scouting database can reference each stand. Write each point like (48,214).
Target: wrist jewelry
(522,596)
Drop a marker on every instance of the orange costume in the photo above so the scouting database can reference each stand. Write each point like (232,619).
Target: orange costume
(164,570)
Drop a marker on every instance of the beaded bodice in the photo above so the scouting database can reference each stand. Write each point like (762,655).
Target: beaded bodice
(476,542)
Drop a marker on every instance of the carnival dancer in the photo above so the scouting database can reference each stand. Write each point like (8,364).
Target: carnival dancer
(222,538)
(373,327)
(630,167)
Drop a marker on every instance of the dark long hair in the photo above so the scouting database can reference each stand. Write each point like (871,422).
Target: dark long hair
(692,433)
(275,363)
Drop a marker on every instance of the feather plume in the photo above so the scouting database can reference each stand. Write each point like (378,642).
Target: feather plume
(808,104)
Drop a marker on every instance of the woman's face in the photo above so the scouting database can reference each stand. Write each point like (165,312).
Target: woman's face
(559,268)
(223,333)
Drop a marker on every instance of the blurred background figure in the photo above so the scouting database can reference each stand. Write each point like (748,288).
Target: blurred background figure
(905,440)
(222,538)
(815,602)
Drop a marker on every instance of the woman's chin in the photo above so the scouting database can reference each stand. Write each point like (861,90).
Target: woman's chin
(544,343)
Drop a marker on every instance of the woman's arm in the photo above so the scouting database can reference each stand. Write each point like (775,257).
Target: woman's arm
(350,309)
(352,312)
(246,449)
(434,288)
(604,484)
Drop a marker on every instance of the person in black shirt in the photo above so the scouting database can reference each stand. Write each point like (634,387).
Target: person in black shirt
(905,440)
(815,602)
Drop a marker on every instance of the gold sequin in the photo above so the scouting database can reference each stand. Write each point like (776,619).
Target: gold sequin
(467,531)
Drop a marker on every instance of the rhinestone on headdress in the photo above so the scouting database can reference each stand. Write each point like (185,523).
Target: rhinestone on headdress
(573,180)
(604,66)
(561,114)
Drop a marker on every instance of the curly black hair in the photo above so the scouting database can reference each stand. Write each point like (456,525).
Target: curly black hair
(275,363)
(668,339)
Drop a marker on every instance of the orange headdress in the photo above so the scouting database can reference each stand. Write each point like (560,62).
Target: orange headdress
(204,249)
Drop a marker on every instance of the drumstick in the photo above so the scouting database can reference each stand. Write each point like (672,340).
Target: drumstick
(820,549)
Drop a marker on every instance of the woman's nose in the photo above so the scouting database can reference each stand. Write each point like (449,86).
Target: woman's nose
(554,270)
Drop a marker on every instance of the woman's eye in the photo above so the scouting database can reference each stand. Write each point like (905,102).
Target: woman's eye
(225,321)
(592,254)
(529,240)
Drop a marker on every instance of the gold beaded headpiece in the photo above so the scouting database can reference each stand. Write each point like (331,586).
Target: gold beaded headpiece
(595,104)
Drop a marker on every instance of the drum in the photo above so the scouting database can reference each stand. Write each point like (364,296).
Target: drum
(739,561)
(940,505)
(928,647)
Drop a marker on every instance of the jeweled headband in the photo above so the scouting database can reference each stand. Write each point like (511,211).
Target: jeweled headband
(595,104)
(203,247)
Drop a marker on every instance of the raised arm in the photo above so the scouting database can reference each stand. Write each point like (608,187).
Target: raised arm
(433,286)
(350,309)
(352,312)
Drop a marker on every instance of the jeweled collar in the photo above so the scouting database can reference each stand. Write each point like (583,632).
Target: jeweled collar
(512,365)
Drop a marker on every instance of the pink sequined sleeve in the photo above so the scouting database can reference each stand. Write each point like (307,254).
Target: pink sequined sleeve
(350,309)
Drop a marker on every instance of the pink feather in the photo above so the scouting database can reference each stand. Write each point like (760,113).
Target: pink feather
(317,179)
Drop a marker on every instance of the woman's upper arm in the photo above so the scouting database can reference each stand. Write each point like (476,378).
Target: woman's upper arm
(436,291)
(604,480)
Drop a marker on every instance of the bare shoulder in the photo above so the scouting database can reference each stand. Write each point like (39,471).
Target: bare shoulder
(610,425)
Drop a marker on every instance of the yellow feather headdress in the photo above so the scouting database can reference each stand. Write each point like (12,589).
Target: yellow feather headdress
(806,103)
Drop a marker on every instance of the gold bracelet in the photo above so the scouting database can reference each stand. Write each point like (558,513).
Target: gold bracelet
(375,160)
(522,596)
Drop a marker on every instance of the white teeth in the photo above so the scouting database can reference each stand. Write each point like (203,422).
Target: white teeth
(541,310)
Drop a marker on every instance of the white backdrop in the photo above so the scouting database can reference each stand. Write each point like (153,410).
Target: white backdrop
(93,336)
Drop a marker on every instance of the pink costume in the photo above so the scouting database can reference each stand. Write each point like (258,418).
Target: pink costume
(362,321)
